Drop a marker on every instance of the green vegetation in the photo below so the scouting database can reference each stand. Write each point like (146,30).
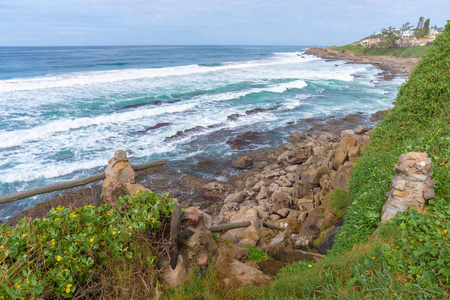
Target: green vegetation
(338,201)
(255,254)
(418,51)
(410,256)
(90,251)
(106,252)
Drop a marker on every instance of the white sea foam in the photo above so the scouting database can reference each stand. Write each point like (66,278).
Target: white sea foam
(95,77)
(13,138)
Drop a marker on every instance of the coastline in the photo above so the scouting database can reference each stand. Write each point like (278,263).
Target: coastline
(188,188)
(392,66)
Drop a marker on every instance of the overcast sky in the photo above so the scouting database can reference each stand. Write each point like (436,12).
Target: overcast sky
(206,22)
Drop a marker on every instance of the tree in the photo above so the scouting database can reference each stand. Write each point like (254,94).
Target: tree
(390,35)
(420,24)
(426,27)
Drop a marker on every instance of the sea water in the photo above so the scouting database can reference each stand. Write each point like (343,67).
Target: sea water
(65,110)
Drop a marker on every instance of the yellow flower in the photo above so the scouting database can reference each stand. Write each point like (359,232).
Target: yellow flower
(1,247)
(309,266)
(58,258)
(114,232)
(44,219)
(91,240)
(129,227)
(373,257)
(137,192)
(67,291)
(24,235)
(27,282)
(69,286)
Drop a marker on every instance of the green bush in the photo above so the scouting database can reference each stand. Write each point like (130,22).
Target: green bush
(255,254)
(419,122)
(55,255)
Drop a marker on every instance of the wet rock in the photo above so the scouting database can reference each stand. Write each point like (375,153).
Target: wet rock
(378,115)
(243,162)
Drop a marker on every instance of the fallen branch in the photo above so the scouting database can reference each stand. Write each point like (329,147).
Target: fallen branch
(71,183)
(271,226)
(224,227)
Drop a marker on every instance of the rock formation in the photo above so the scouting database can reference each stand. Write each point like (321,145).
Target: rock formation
(411,187)
(120,179)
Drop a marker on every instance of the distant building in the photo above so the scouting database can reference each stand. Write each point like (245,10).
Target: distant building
(409,41)
(370,42)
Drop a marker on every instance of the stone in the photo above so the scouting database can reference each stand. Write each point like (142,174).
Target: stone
(271,266)
(239,274)
(339,159)
(248,235)
(283,212)
(347,142)
(412,186)
(313,175)
(258,185)
(340,179)
(263,193)
(353,153)
(235,197)
(279,200)
(319,151)
(291,168)
(120,179)
(302,216)
(301,189)
(360,129)
(299,155)
(243,162)
(348,132)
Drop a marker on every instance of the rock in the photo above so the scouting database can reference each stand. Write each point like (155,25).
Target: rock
(120,179)
(340,179)
(263,213)
(302,216)
(291,168)
(258,185)
(313,175)
(378,115)
(279,200)
(353,153)
(283,212)
(271,266)
(348,132)
(245,236)
(240,274)
(353,118)
(290,256)
(339,158)
(347,142)
(299,155)
(301,189)
(236,197)
(263,194)
(411,187)
(274,217)
(284,181)
(305,204)
(319,151)
(243,162)
(360,129)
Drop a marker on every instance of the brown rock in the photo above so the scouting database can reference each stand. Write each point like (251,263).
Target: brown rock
(340,179)
(313,175)
(243,162)
(240,274)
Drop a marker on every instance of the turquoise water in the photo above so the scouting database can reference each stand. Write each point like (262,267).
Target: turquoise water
(65,110)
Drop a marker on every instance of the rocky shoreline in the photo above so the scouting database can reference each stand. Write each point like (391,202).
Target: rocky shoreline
(392,66)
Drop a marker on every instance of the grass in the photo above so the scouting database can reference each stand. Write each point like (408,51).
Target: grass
(417,51)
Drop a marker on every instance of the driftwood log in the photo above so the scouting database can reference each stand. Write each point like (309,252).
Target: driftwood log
(72,183)
(271,226)
(224,227)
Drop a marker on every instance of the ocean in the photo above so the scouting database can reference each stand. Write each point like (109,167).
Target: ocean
(65,110)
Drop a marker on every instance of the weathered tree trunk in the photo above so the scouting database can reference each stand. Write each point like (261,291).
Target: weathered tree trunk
(271,226)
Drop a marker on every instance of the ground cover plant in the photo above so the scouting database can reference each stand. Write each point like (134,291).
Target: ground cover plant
(408,257)
(77,253)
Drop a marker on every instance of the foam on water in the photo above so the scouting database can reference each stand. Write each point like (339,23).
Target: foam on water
(67,125)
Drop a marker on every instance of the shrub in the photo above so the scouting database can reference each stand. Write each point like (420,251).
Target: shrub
(56,255)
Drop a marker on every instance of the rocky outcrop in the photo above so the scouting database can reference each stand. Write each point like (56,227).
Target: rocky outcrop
(391,65)
(120,179)
(411,187)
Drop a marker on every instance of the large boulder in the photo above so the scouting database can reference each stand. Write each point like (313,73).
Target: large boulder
(240,274)
(245,236)
(313,174)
